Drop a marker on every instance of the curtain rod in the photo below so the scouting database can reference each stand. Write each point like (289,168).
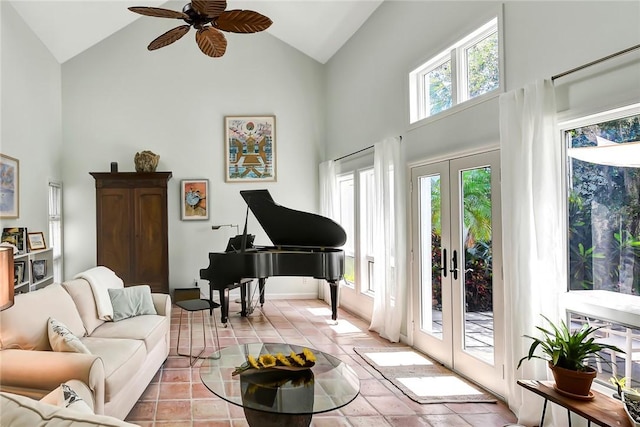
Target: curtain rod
(359,151)
(597,61)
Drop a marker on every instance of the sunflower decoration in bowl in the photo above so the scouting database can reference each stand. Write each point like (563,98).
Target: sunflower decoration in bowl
(293,362)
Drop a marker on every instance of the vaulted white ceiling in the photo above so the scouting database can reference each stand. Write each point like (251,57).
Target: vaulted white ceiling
(317,28)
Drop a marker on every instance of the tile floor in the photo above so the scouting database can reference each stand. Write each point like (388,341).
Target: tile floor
(176,396)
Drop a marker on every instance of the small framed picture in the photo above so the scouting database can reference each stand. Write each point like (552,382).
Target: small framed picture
(194,196)
(18,272)
(36,241)
(17,236)
(39,269)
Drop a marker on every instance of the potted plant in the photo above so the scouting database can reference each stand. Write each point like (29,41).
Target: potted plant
(567,353)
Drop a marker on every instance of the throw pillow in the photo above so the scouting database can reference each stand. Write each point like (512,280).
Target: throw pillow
(61,338)
(70,399)
(131,301)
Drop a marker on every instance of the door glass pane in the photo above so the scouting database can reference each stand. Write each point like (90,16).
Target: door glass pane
(431,259)
(477,270)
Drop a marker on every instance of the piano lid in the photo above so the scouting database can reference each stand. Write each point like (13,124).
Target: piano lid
(289,227)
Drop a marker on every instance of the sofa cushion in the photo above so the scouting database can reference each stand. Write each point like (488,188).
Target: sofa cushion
(80,291)
(24,325)
(61,338)
(131,301)
(122,359)
(149,328)
(16,410)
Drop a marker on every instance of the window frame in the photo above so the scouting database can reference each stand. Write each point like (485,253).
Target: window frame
(363,261)
(623,309)
(456,52)
(56,228)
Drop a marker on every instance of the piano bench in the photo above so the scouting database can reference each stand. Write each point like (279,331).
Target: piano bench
(191,306)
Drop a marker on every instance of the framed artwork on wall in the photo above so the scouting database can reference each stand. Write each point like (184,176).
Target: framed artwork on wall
(9,187)
(194,195)
(250,148)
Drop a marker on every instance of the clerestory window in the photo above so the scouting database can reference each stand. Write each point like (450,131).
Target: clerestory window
(467,70)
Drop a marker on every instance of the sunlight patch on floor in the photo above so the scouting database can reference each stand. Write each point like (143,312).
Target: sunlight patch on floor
(344,327)
(398,358)
(438,386)
(319,311)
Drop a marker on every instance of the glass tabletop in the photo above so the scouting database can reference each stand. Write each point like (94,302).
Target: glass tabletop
(328,385)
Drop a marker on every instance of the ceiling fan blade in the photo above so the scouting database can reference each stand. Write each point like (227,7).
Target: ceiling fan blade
(169,37)
(158,12)
(209,8)
(242,21)
(211,42)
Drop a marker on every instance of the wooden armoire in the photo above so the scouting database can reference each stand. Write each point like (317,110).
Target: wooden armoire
(132,226)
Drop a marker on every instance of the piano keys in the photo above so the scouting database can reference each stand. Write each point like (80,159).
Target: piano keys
(305,245)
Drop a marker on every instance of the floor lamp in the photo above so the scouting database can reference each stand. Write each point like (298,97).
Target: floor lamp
(6,278)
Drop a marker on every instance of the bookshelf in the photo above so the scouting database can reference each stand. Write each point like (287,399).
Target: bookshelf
(37,270)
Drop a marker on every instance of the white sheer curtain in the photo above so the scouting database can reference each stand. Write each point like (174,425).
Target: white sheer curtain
(328,189)
(328,208)
(389,241)
(532,211)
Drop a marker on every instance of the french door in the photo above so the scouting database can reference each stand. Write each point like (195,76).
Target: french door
(457,266)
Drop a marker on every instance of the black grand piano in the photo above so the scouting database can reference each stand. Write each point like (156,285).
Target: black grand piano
(305,245)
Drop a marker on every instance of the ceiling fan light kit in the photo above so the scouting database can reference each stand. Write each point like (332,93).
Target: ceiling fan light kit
(210,18)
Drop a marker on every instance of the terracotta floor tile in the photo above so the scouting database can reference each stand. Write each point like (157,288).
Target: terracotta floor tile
(176,410)
(171,390)
(143,411)
(452,420)
(176,375)
(209,409)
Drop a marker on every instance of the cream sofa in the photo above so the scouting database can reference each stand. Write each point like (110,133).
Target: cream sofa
(125,355)
(53,411)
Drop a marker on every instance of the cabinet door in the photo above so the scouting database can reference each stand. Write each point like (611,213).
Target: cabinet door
(114,231)
(150,241)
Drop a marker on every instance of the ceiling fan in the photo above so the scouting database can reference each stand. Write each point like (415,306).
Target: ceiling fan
(210,18)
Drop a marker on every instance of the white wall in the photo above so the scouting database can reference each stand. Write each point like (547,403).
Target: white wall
(119,98)
(30,118)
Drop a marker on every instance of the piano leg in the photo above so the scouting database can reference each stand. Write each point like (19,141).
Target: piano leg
(243,298)
(224,305)
(333,287)
(261,283)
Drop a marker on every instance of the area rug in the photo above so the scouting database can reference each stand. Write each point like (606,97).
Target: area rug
(421,379)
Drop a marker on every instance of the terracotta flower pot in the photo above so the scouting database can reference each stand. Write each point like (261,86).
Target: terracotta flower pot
(577,383)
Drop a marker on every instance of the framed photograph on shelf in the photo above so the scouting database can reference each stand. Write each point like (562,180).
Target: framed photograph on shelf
(194,195)
(250,148)
(17,236)
(36,241)
(9,187)
(18,272)
(39,269)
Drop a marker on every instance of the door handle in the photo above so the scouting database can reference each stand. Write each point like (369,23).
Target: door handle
(454,264)
(443,258)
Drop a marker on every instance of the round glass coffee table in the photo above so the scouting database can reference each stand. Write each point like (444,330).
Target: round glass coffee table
(275,397)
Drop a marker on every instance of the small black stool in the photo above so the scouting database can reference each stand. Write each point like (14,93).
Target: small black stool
(191,306)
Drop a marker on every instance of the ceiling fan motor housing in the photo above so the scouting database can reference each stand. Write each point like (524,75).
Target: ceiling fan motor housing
(195,19)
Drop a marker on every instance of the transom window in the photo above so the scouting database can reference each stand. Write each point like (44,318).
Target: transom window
(465,71)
